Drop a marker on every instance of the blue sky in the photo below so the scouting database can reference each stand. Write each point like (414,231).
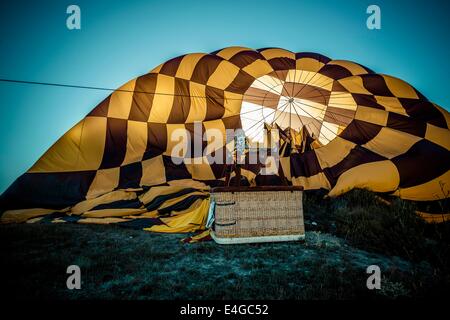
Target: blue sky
(120,40)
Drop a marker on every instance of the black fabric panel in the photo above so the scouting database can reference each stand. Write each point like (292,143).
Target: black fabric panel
(280,74)
(181,102)
(307,92)
(159,200)
(338,87)
(244,58)
(218,170)
(205,68)
(47,190)
(115,144)
(175,171)
(267,48)
(120,204)
(140,223)
(101,110)
(170,67)
(244,181)
(156,140)
(360,132)
(232,122)
(214,103)
(241,83)
(130,175)
(286,149)
(356,157)
(268,180)
(366,101)
(304,164)
(335,72)
(143,97)
(376,85)
(312,55)
(194,136)
(423,111)
(282,63)
(423,162)
(213,183)
(181,205)
(339,116)
(406,124)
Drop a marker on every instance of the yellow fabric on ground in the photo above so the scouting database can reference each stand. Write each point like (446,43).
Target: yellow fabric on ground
(189,221)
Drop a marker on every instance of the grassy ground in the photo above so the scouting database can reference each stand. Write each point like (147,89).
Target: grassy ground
(344,236)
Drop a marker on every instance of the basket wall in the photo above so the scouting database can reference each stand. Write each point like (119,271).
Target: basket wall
(259,213)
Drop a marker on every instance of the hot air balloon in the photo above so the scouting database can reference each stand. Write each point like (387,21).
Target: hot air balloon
(341,126)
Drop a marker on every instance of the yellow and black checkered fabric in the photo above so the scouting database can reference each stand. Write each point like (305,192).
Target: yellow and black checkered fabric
(371,131)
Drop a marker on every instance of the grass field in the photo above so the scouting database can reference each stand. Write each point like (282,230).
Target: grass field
(344,236)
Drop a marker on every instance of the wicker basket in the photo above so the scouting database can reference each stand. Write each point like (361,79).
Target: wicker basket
(258,214)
